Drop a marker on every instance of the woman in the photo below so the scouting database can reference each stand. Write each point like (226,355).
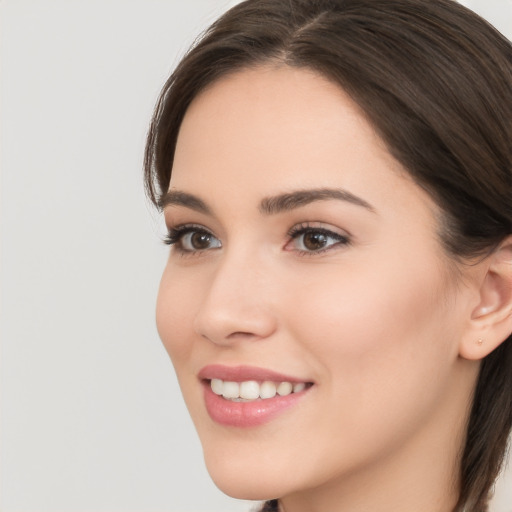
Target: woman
(336,177)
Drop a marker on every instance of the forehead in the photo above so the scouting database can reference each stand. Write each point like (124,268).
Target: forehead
(269,106)
(270,130)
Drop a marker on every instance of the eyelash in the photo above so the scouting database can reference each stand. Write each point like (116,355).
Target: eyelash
(176,235)
(306,228)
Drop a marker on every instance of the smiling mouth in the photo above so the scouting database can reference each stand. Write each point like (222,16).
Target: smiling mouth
(252,390)
(248,396)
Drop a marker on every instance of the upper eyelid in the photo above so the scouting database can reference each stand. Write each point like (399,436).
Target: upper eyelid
(329,234)
(191,226)
(174,212)
(296,232)
(186,226)
(319,226)
(180,230)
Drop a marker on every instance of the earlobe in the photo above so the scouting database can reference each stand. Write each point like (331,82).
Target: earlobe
(491,319)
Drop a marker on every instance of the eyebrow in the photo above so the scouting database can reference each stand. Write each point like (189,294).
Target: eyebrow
(269,205)
(178,198)
(293,200)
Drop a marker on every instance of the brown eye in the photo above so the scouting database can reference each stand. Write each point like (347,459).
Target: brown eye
(196,240)
(314,241)
(189,239)
(200,241)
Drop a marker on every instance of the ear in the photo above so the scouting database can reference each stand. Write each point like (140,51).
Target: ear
(491,319)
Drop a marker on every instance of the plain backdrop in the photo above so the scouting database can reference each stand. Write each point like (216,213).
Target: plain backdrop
(92,419)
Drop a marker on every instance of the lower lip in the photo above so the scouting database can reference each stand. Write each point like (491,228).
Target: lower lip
(247,414)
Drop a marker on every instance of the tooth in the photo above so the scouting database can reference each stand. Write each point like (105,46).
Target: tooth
(250,390)
(298,387)
(284,388)
(268,390)
(217,386)
(231,390)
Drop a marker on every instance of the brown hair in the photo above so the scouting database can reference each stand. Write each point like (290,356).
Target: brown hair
(435,80)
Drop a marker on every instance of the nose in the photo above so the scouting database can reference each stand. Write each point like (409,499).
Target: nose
(238,303)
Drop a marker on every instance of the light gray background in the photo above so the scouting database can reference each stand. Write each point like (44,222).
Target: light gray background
(91,415)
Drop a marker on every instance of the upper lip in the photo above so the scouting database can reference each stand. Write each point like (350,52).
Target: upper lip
(244,373)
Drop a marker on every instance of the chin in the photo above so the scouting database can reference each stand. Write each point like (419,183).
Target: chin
(241,480)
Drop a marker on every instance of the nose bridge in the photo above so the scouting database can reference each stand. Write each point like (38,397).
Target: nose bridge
(237,302)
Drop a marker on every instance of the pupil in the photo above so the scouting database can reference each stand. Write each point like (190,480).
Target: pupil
(200,240)
(314,241)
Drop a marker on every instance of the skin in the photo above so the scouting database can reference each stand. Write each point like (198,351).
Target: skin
(375,323)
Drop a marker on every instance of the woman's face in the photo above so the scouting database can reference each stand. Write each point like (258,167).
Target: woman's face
(303,254)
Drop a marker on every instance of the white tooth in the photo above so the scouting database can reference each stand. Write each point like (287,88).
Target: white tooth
(217,385)
(298,387)
(250,390)
(268,390)
(231,390)
(284,388)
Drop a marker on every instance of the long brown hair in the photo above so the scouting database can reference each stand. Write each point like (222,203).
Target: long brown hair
(435,81)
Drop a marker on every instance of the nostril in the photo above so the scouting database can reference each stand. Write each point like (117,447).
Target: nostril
(241,334)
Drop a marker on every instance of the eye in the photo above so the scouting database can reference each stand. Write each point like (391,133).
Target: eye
(307,239)
(191,239)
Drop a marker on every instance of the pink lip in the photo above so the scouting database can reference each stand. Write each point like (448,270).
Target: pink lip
(242,373)
(246,414)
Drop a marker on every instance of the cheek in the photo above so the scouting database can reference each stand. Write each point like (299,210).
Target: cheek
(174,316)
(377,338)
(382,356)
